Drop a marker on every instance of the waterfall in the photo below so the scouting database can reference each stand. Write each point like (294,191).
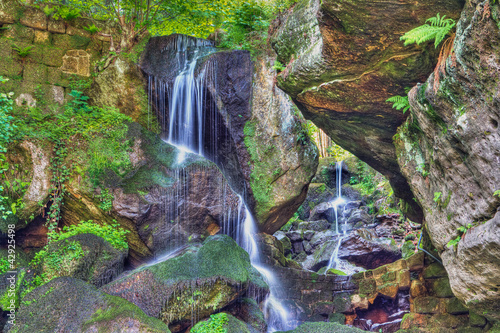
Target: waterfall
(184,112)
(336,203)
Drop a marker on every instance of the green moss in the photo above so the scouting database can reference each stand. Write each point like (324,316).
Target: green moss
(118,308)
(261,177)
(336,272)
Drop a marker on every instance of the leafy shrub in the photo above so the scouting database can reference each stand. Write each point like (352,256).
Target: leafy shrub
(437,30)
(92,29)
(112,233)
(22,52)
(215,324)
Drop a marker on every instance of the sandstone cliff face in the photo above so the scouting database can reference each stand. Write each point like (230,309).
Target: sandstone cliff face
(449,150)
(344,59)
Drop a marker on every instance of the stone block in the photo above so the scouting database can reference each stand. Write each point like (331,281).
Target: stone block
(57,77)
(426,305)
(378,272)
(35,73)
(367,286)
(434,270)
(58,94)
(323,308)
(440,287)
(34,18)
(42,37)
(417,289)
(359,302)
(476,320)
(397,265)
(404,280)
(7,15)
(56,26)
(446,320)
(10,67)
(73,31)
(386,277)
(342,302)
(26,100)
(389,290)
(455,307)
(20,33)
(76,62)
(414,320)
(416,261)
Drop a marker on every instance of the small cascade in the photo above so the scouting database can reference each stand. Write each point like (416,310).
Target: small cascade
(277,317)
(190,122)
(338,202)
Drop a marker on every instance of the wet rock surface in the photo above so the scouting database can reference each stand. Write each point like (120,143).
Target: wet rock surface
(206,278)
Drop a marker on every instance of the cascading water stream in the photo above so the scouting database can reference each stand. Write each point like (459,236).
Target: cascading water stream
(187,115)
(336,203)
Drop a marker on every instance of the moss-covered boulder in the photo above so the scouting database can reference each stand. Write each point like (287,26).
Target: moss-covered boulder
(203,279)
(71,305)
(86,257)
(321,327)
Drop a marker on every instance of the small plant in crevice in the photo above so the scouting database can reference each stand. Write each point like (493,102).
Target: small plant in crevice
(462,230)
(435,28)
(400,102)
(278,66)
(92,29)
(22,52)
(106,200)
(60,174)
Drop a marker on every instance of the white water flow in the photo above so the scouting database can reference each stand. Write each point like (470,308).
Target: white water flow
(277,316)
(185,119)
(336,203)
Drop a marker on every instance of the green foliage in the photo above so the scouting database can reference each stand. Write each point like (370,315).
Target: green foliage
(400,102)
(49,10)
(6,131)
(278,66)
(461,230)
(497,193)
(247,28)
(293,220)
(106,200)
(437,197)
(4,265)
(339,153)
(67,13)
(92,29)
(115,235)
(437,29)
(215,324)
(22,52)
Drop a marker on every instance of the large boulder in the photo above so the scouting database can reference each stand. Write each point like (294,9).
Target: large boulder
(363,248)
(448,150)
(71,305)
(87,257)
(253,134)
(344,59)
(202,279)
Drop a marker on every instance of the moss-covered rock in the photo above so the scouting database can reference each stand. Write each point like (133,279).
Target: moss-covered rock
(202,279)
(221,322)
(86,257)
(320,327)
(71,305)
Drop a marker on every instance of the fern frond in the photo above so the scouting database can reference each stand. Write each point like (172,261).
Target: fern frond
(399,102)
(437,30)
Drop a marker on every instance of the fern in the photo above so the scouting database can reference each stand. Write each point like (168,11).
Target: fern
(435,28)
(399,102)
